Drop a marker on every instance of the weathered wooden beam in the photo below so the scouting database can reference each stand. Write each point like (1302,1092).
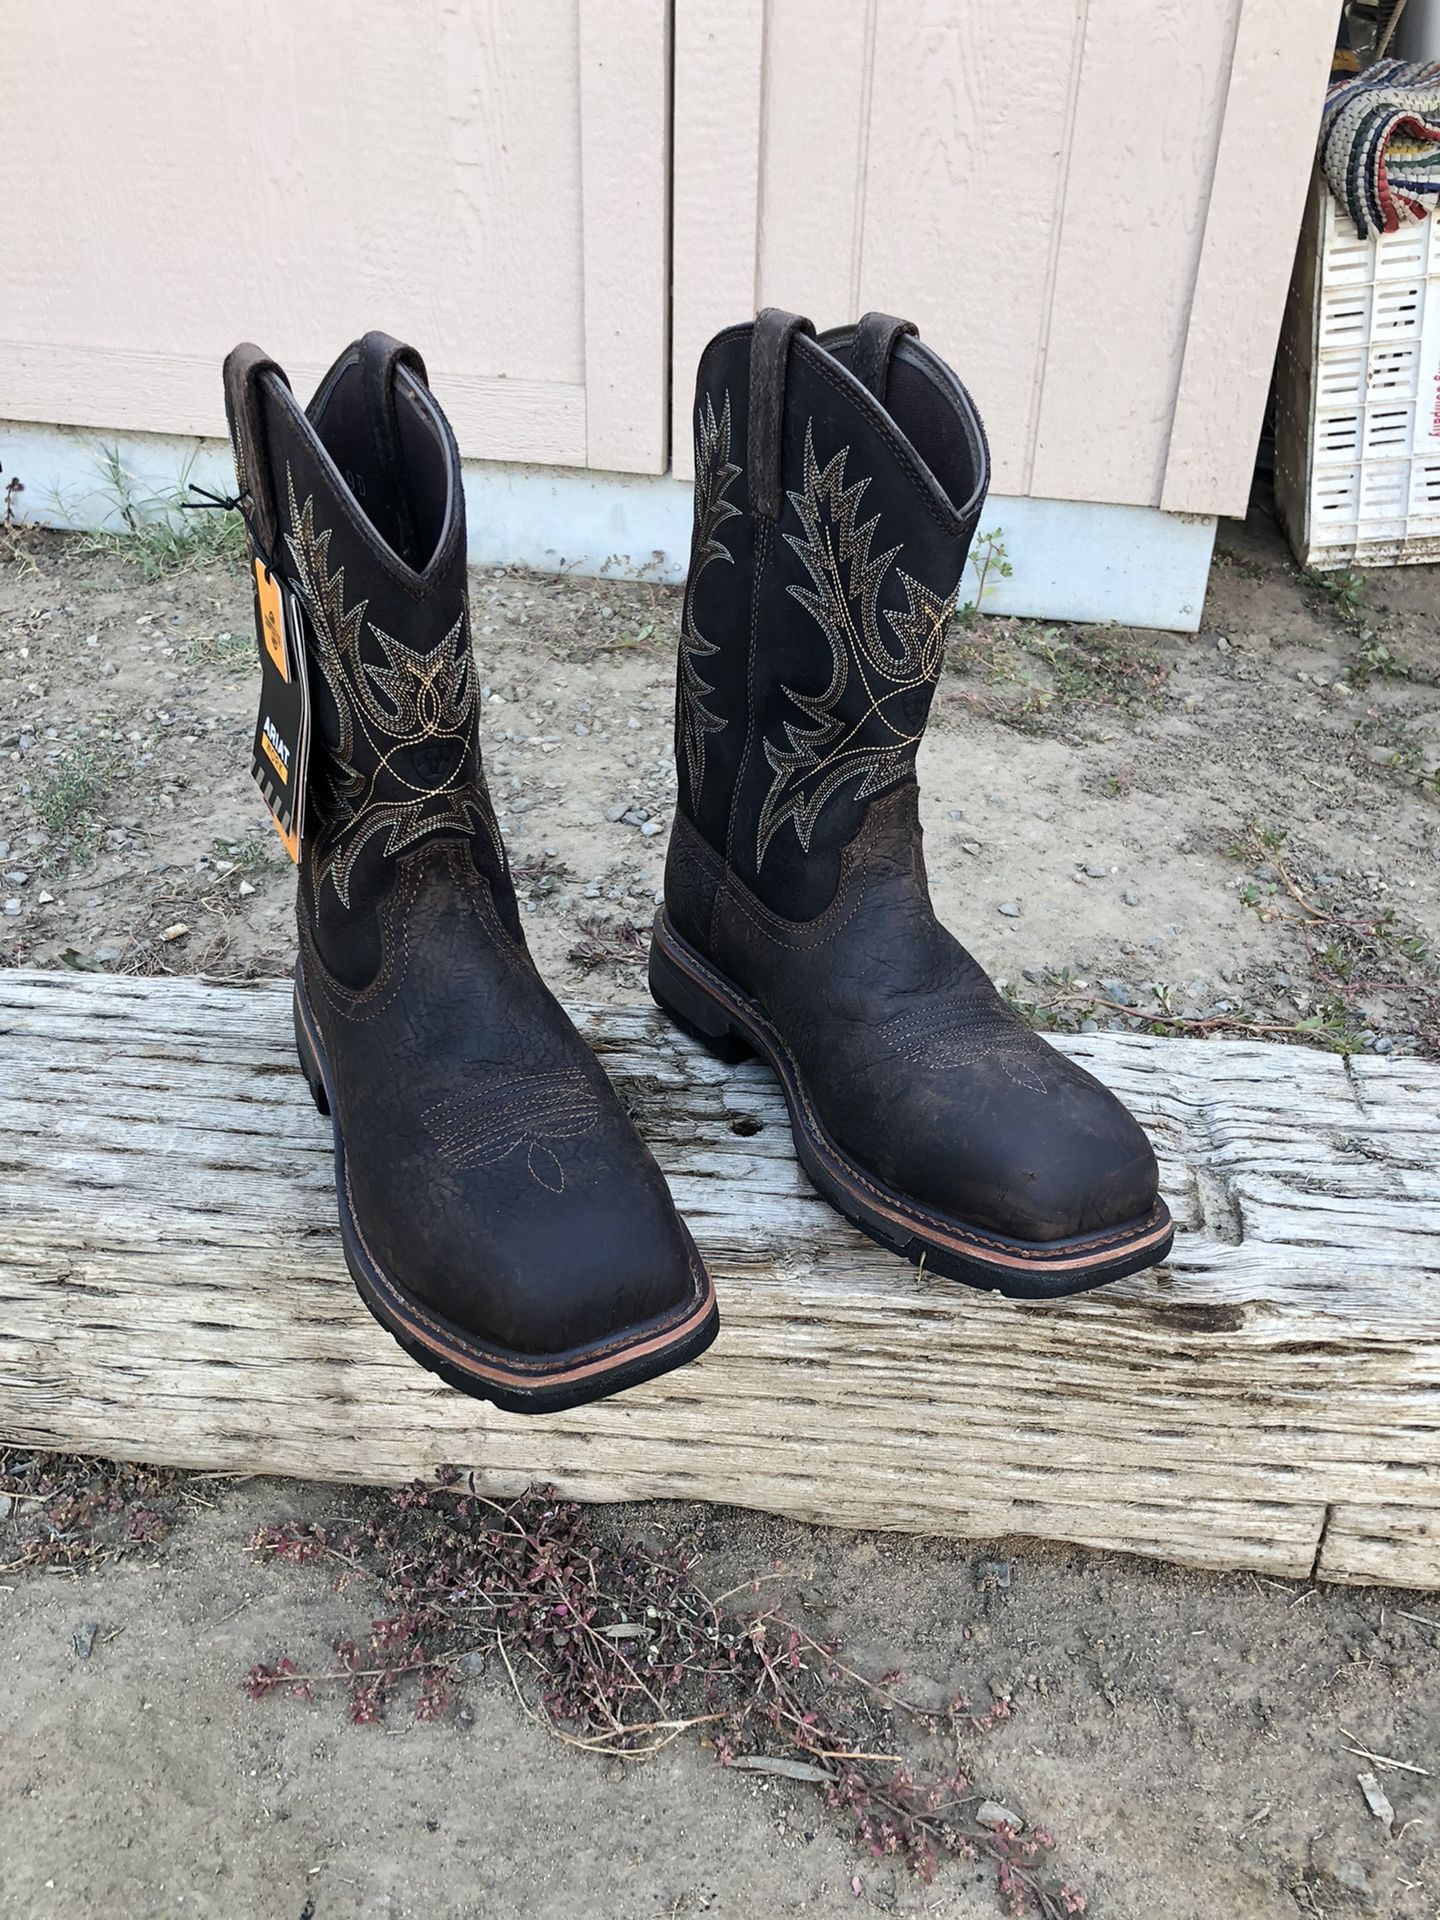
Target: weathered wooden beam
(171,1288)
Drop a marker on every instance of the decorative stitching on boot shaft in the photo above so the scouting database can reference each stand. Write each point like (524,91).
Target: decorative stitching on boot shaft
(877,748)
(715,474)
(396,716)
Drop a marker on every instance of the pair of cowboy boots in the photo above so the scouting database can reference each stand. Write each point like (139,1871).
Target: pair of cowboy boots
(500,1215)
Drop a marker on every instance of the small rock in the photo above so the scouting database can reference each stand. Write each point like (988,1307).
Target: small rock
(44,898)
(1010,909)
(83,1638)
(618,812)
(13,907)
(1384,1043)
(1096,873)
(472,1662)
(1376,1798)
(990,1813)
(649,827)
(17,876)
(245,889)
(1130,897)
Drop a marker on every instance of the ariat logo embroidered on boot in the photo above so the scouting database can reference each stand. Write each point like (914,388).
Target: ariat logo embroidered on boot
(715,474)
(513,1113)
(864,727)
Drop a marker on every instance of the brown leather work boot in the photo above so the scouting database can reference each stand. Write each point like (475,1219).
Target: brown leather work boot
(838,483)
(500,1215)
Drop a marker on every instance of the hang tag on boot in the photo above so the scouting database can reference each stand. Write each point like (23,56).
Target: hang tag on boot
(282,731)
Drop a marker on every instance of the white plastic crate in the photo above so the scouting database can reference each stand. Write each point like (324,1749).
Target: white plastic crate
(1357,391)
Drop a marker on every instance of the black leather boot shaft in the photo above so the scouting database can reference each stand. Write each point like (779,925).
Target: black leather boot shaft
(358,501)
(829,552)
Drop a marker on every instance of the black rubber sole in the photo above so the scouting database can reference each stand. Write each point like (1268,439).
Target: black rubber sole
(713,1010)
(513,1382)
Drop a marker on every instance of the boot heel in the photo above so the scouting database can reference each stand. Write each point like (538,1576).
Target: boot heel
(692,1009)
(310,1066)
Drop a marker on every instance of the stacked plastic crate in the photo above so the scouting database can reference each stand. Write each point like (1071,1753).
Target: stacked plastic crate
(1357,418)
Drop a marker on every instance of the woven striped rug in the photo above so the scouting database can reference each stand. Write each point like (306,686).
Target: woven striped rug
(1380,144)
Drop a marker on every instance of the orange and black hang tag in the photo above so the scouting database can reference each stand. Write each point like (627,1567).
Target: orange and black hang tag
(282,731)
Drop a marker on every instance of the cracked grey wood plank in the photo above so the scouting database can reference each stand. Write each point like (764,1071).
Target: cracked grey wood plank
(171,1288)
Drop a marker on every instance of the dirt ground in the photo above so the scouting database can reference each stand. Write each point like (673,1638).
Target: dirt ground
(1230,832)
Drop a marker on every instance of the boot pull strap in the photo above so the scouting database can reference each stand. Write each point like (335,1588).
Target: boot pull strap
(244,366)
(380,357)
(876,338)
(769,356)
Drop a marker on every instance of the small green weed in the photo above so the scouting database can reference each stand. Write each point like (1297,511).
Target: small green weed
(1346,593)
(245,856)
(1375,661)
(1384,741)
(1053,671)
(991,565)
(231,652)
(152,532)
(66,798)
